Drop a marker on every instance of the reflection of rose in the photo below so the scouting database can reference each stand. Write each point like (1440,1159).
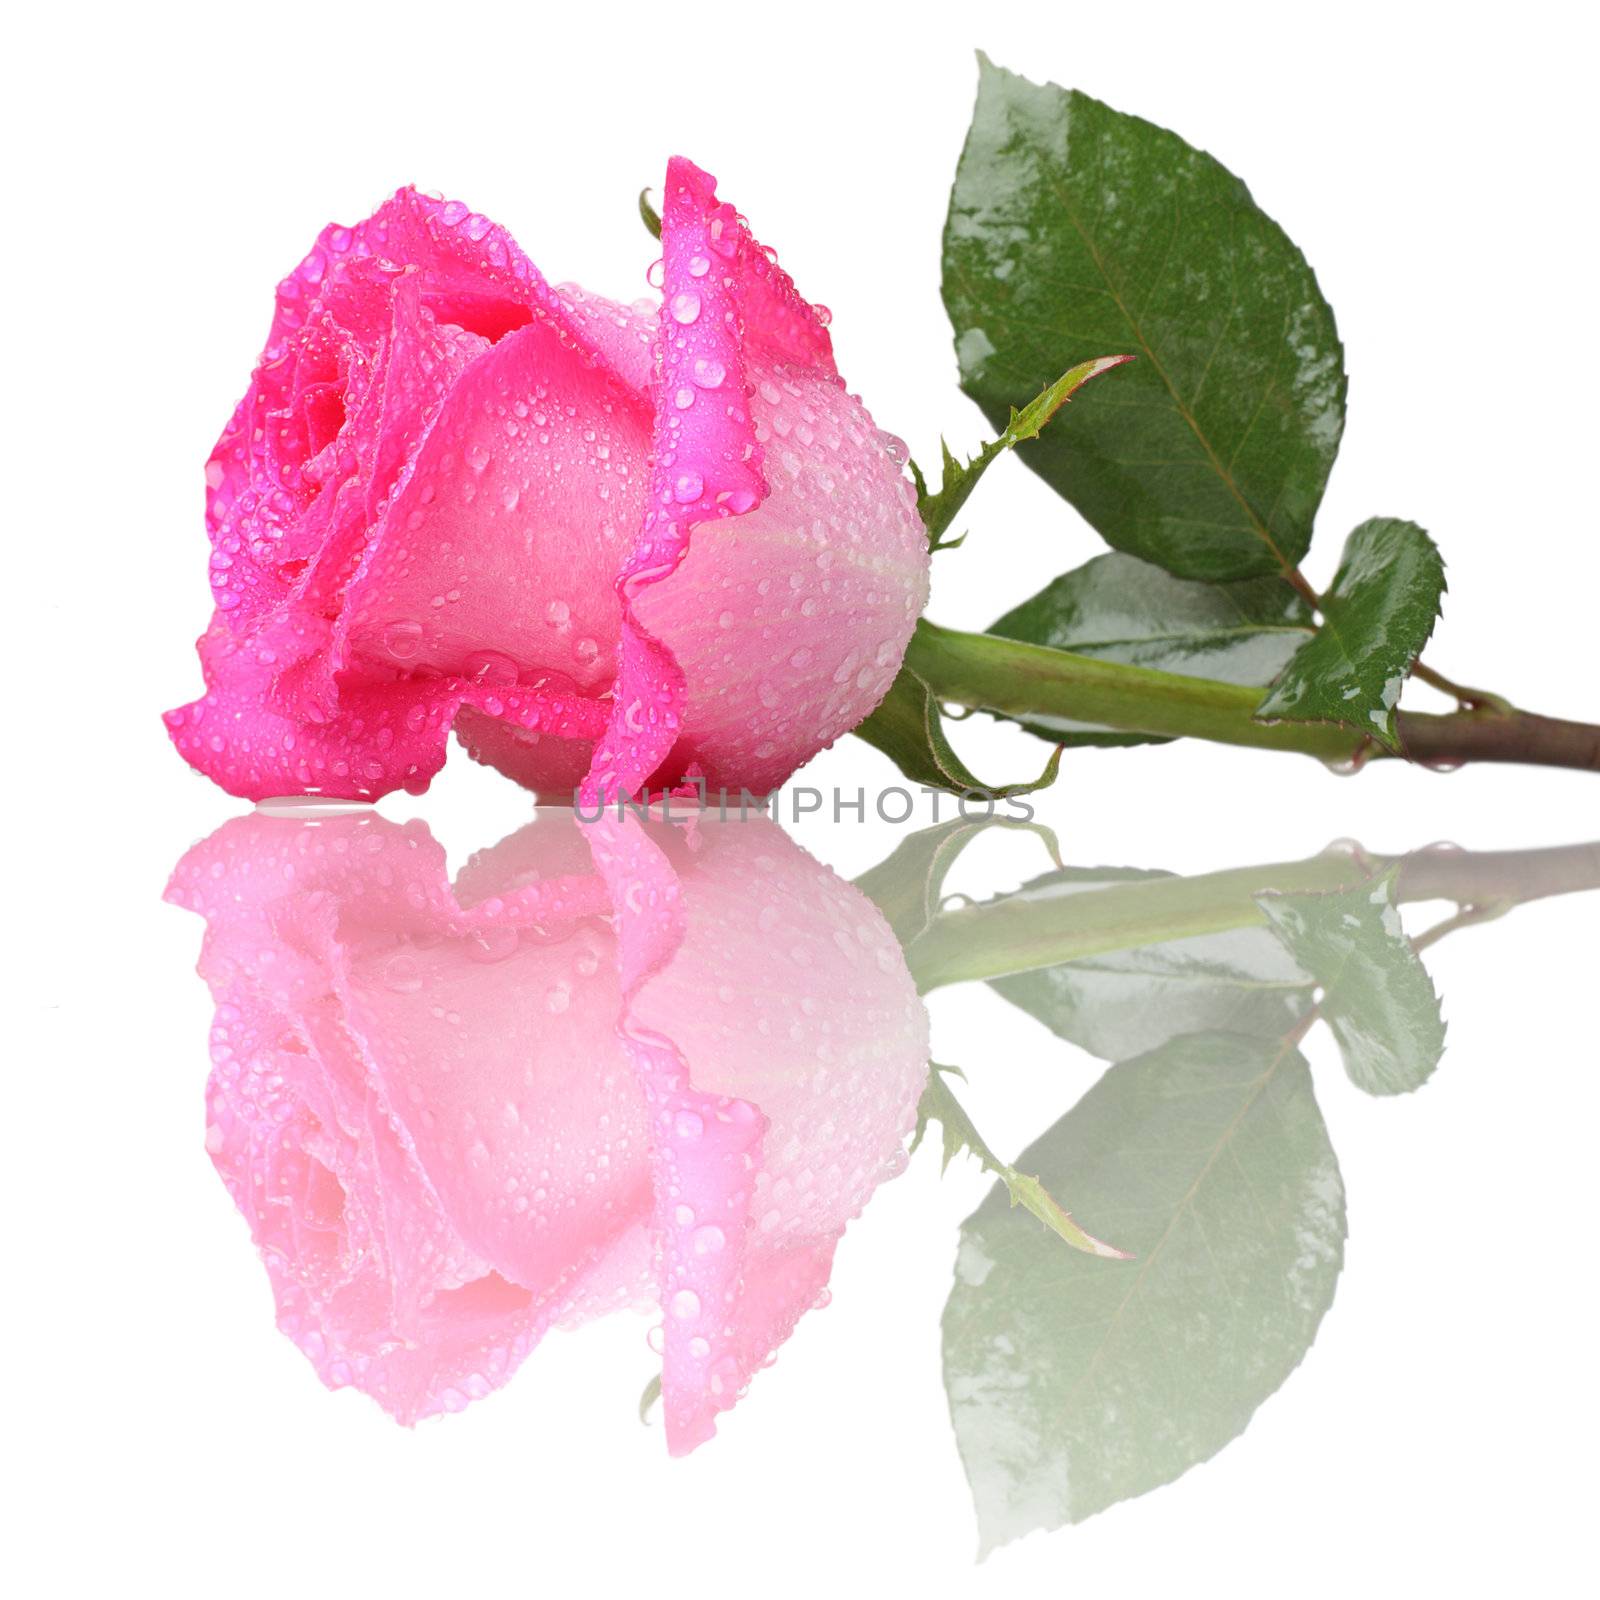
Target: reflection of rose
(641,1066)
(456,496)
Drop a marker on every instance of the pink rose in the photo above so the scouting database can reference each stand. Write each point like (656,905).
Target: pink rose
(628,545)
(626,1065)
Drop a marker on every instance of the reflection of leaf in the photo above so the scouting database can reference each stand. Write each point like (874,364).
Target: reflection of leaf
(939,1104)
(1075,1383)
(908,885)
(909,729)
(1076,229)
(1117,608)
(652,1390)
(1128,1001)
(1377,996)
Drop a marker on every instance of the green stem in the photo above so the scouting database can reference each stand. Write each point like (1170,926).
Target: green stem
(1023,680)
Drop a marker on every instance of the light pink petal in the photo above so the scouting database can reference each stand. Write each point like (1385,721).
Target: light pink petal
(645,1062)
(624,336)
(783,1049)
(813,595)
(371,1280)
(399,1213)
(704,1148)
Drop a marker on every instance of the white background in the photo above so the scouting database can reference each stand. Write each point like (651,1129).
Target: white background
(168,164)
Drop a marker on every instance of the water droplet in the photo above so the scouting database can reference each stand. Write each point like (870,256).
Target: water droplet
(894,447)
(403,974)
(707,1241)
(403,639)
(685,1304)
(690,486)
(488,945)
(491,669)
(709,374)
(685,306)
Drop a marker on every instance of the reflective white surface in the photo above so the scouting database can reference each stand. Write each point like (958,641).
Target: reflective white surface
(1439,1431)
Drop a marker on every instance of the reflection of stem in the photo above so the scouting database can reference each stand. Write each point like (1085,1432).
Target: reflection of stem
(1033,929)
(1466,917)
(1017,679)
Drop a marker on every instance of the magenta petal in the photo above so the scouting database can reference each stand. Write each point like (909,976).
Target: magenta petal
(706,464)
(511,523)
(404,352)
(382,736)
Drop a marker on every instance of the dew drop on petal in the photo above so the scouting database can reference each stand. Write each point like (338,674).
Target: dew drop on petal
(403,639)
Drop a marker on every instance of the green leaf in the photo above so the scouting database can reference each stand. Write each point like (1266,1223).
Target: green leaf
(648,214)
(958,480)
(1074,229)
(1126,1002)
(1378,999)
(939,1104)
(1376,619)
(1075,1383)
(908,727)
(1122,609)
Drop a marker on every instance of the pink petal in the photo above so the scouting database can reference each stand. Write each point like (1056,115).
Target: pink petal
(370,1141)
(399,355)
(452,490)
(705,461)
(782,1050)
(640,1064)
(783,628)
(510,526)
(383,736)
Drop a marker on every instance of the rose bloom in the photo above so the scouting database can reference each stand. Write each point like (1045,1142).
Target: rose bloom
(628,545)
(618,1066)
